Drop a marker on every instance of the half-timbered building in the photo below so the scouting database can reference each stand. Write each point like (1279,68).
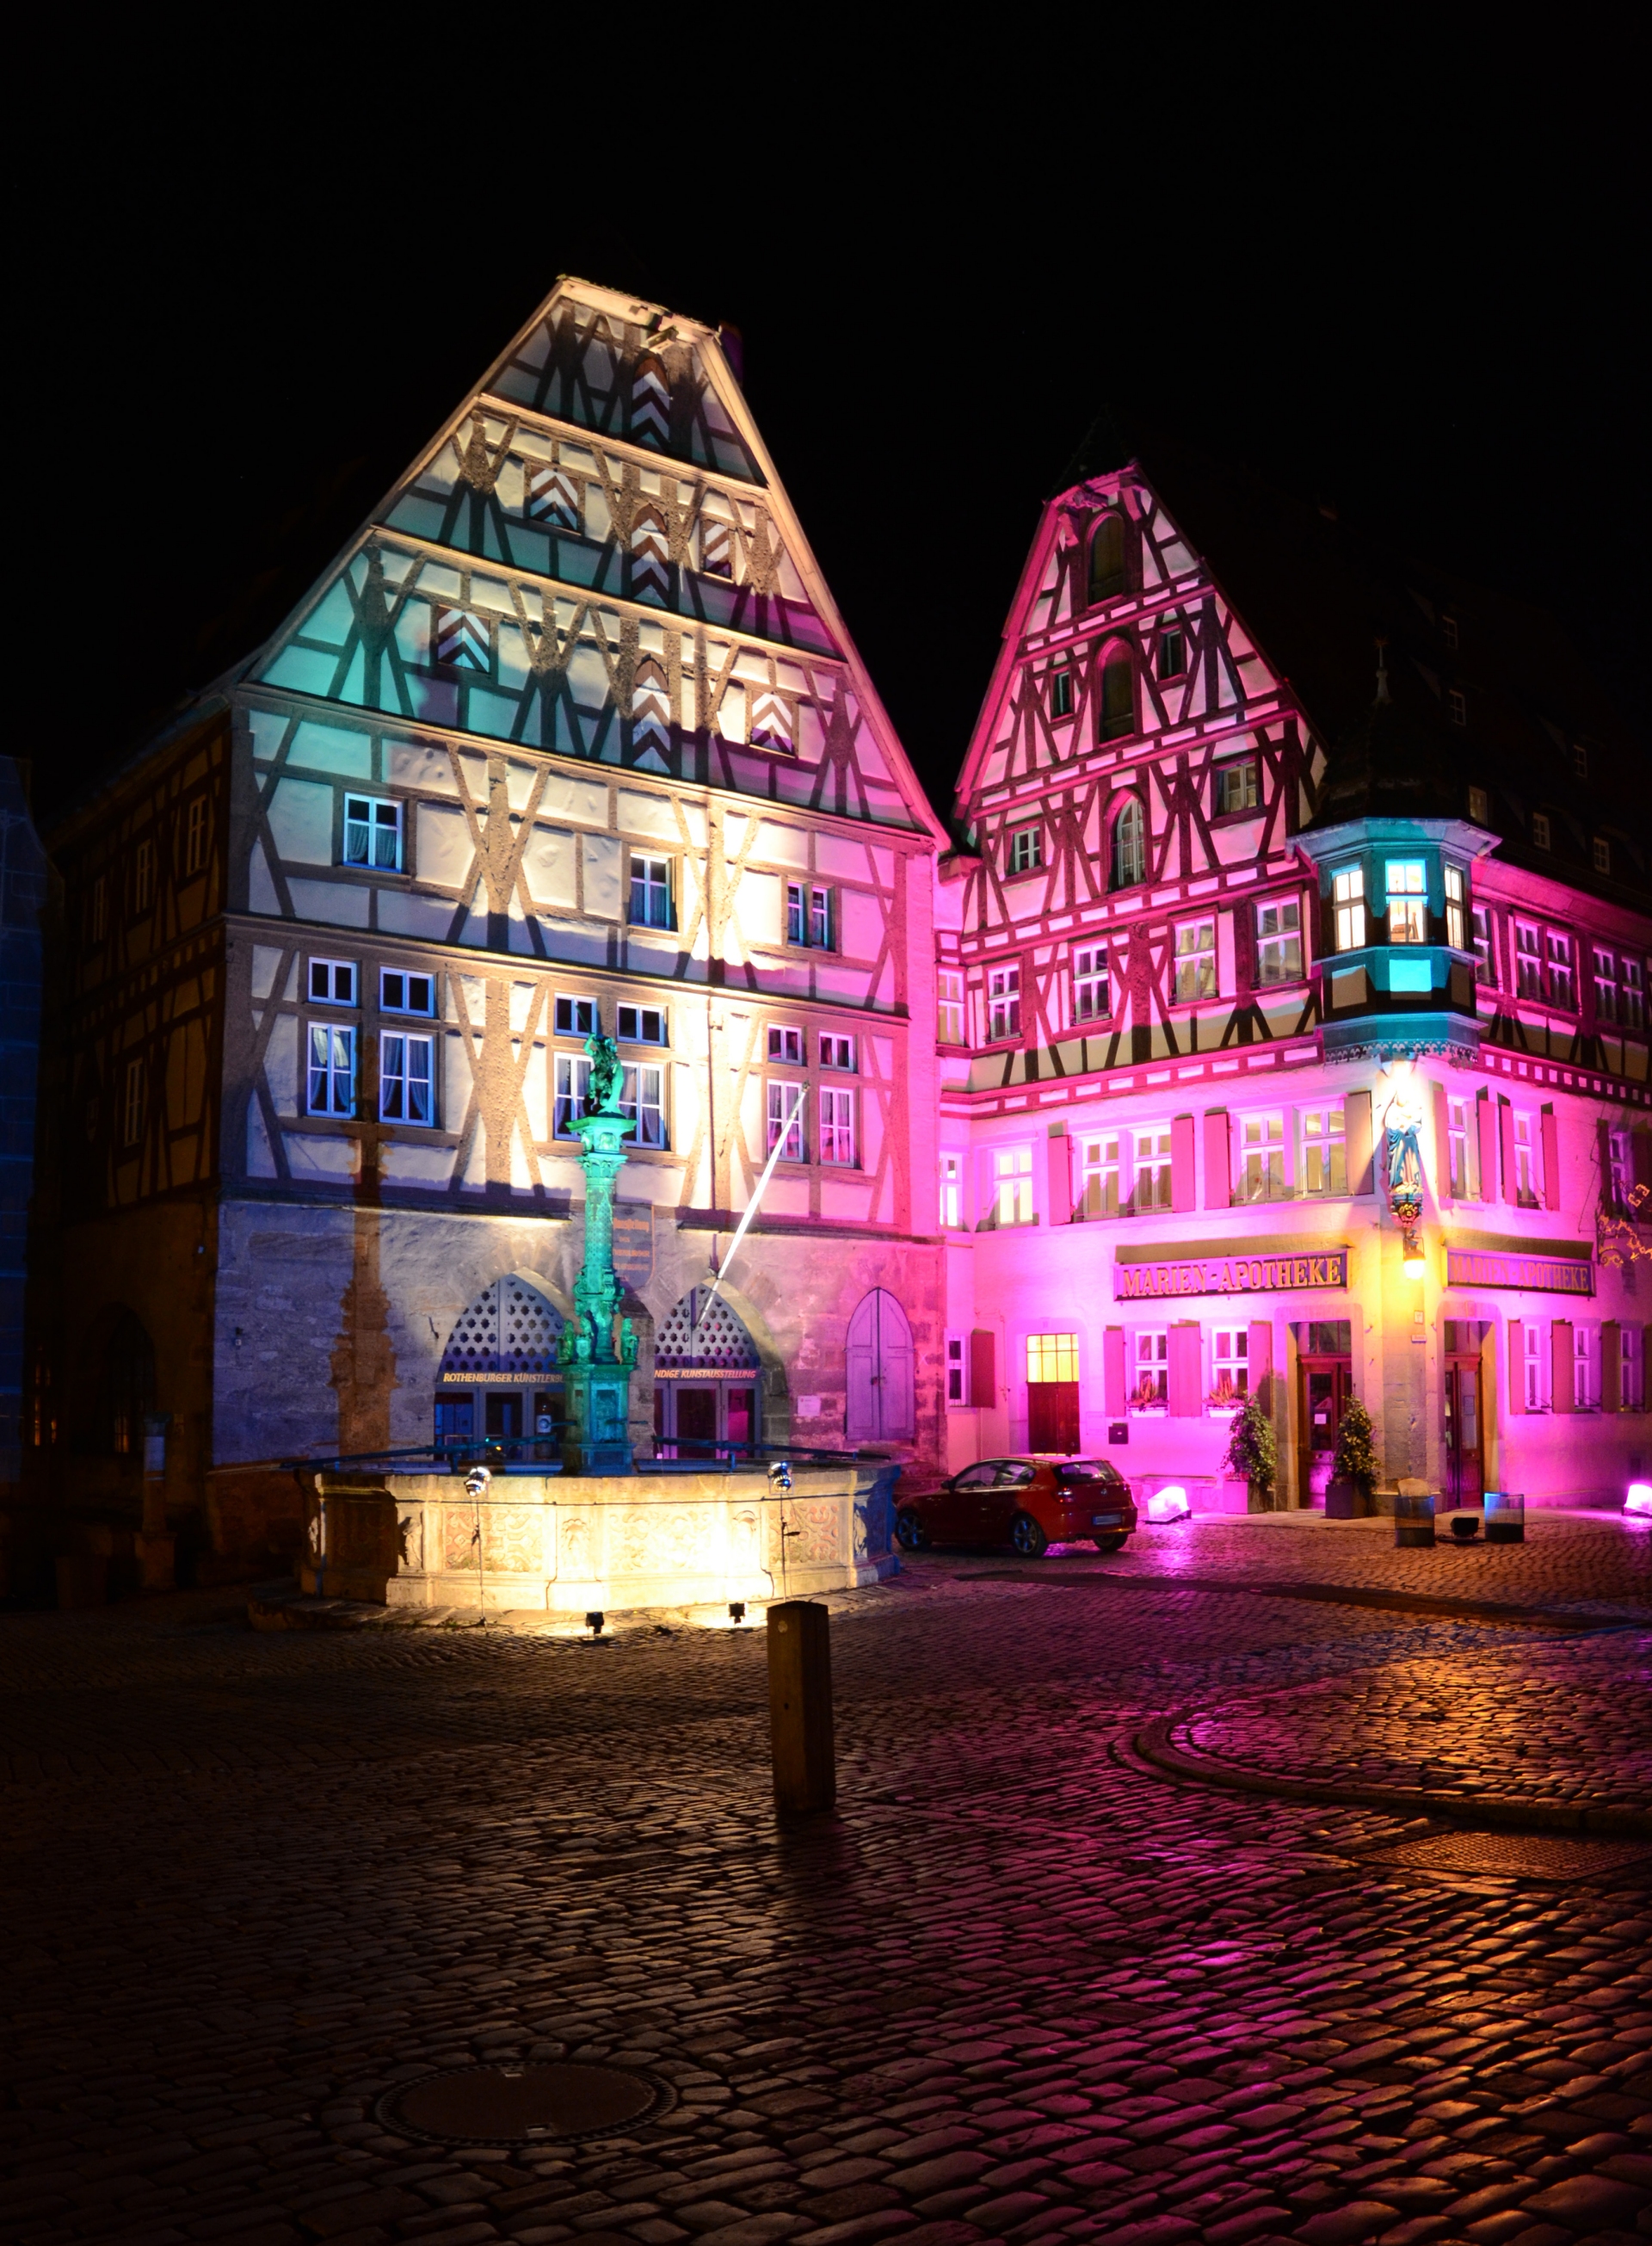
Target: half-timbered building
(1275,847)
(570,739)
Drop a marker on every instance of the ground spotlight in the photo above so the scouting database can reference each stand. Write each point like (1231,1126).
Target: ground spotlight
(737,1610)
(593,1622)
(1639,1499)
(1169,1504)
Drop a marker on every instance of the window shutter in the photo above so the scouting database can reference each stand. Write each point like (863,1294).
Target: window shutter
(1603,1155)
(1060,1175)
(1260,1357)
(1506,1134)
(1611,1366)
(983,1369)
(1112,1371)
(1514,1333)
(1356,1131)
(1441,1147)
(1186,1390)
(1218,1176)
(1485,1111)
(1551,1159)
(1561,1374)
(1182,1200)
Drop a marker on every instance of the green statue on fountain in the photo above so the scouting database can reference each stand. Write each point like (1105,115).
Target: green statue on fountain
(598,1348)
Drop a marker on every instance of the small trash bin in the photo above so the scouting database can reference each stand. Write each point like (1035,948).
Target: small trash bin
(1414,1517)
(1505,1518)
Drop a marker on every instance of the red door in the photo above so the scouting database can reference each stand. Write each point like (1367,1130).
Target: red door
(1465,1453)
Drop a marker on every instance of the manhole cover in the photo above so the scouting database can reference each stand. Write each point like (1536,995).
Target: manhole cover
(1509,1855)
(520,2105)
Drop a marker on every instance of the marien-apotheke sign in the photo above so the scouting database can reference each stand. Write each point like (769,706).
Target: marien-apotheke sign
(1231,1275)
(1533,1275)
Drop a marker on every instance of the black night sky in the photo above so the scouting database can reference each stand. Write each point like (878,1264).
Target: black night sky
(1411,284)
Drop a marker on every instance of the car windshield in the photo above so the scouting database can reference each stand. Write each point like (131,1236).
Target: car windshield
(1089,1470)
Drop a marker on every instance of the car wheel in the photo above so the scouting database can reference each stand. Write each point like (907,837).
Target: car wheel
(1028,1538)
(1111,1543)
(910,1533)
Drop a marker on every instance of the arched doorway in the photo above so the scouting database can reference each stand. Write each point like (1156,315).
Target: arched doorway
(117,1386)
(882,1402)
(708,1379)
(498,1379)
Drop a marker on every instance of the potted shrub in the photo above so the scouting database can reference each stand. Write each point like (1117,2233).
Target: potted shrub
(1354,1468)
(1252,1454)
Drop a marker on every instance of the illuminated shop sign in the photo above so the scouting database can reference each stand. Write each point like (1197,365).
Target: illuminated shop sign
(1231,1275)
(1531,1275)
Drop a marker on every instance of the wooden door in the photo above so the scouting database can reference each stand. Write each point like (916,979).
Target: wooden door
(1324,1384)
(881,1366)
(1053,1416)
(1464,1444)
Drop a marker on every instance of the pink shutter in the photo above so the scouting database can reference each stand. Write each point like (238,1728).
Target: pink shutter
(1561,1391)
(1260,1357)
(1182,1198)
(1514,1333)
(1441,1147)
(1218,1176)
(1486,1114)
(1112,1371)
(1356,1129)
(983,1369)
(1505,1134)
(1611,1366)
(1551,1159)
(1060,1175)
(1187,1389)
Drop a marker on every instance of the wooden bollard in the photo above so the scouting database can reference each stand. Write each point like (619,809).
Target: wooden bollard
(806,1774)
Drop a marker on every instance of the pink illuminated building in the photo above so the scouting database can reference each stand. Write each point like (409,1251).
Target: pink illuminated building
(1290,871)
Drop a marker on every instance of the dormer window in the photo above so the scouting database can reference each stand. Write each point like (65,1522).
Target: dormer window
(1448,632)
(1457,705)
(1601,853)
(1580,760)
(1480,808)
(1108,574)
(1540,831)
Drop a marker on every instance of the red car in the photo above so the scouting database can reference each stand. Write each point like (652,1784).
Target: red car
(1028,1503)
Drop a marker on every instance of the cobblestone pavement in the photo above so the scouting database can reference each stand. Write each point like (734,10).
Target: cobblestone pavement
(1020,1987)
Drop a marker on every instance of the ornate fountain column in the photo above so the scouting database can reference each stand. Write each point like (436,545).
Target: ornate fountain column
(598,1348)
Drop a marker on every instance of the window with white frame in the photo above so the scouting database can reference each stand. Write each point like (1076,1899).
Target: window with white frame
(1407,881)
(1173,653)
(1324,1150)
(1631,994)
(144,876)
(195,835)
(133,1102)
(1262,1158)
(406,1078)
(572,1082)
(1456,909)
(1479,807)
(1150,1389)
(1151,1186)
(808,915)
(1586,1367)
(576,1017)
(650,892)
(1480,927)
(1348,901)
(1026,849)
(1562,990)
(785,1120)
(1462,1149)
(958,1370)
(1601,853)
(332,982)
(1527,1174)
(332,1069)
(950,1029)
(837,1127)
(1529,960)
(1236,786)
(1130,844)
(401,993)
(1099,1175)
(1012,1185)
(951,1191)
(1230,1367)
(1091,999)
(1457,705)
(1631,1394)
(1541,838)
(1279,941)
(1532,1339)
(1003,1002)
(642,1102)
(372,833)
(836,1051)
(640,1026)
(1196,960)
(1606,985)
(1061,694)
(785,1045)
